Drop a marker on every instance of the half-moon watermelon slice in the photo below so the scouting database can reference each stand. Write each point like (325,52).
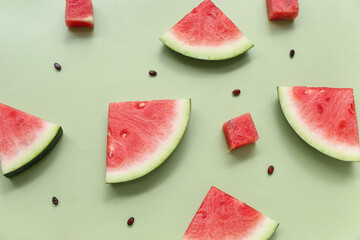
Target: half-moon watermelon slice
(141,135)
(323,117)
(24,139)
(206,33)
(223,217)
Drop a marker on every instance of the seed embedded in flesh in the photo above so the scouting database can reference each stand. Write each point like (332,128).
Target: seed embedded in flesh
(130,221)
(292,53)
(271,169)
(236,92)
(57,66)
(55,201)
(152,73)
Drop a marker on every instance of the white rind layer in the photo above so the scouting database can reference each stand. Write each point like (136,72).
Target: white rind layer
(89,19)
(115,176)
(26,155)
(314,139)
(264,230)
(226,51)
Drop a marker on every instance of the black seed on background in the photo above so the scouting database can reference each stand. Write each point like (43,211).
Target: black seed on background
(57,66)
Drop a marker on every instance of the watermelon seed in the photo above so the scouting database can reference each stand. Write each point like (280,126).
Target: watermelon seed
(123,134)
(130,221)
(236,92)
(271,169)
(152,73)
(202,214)
(141,105)
(55,201)
(214,14)
(292,53)
(57,66)
(351,110)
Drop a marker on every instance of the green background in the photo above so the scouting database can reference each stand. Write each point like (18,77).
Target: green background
(312,196)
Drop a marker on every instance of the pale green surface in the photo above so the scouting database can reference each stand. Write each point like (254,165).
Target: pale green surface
(312,196)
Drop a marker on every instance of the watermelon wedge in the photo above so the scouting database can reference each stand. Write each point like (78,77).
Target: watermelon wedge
(141,135)
(79,13)
(24,139)
(222,217)
(323,117)
(206,33)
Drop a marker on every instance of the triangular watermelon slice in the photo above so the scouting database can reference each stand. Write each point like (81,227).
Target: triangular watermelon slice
(323,117)
(206,33)
(24,139)
(141,135)
(222,217)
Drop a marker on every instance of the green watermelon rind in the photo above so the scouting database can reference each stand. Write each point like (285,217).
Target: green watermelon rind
(337,151)
(160,157)
(266,230)
(223,52)
(43,145)
(263,231)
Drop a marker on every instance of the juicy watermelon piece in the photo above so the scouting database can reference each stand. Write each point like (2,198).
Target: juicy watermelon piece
(79,13)
(141,135)
(240,131)
(323,117)
(24,139)
(222,217)
(206,33)
(282,9)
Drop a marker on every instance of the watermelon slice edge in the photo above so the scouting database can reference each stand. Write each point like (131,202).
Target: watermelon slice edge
(153,159)
(24,139)
(222,217)
(206,33)
(346,151)
(38,152)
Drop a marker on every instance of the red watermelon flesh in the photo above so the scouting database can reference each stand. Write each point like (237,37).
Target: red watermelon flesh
(282,9)
(24,139)
(206,33)
(142,134)
(217,27)
(240,131)
(79,13)
(223,217)
(325,118)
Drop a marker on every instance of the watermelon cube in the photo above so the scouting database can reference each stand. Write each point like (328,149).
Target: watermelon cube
(79,13)
(240,131)
(282,9)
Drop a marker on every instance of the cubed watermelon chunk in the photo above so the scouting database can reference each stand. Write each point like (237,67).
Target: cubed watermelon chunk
(240,131)
(79,13)
(282,9)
